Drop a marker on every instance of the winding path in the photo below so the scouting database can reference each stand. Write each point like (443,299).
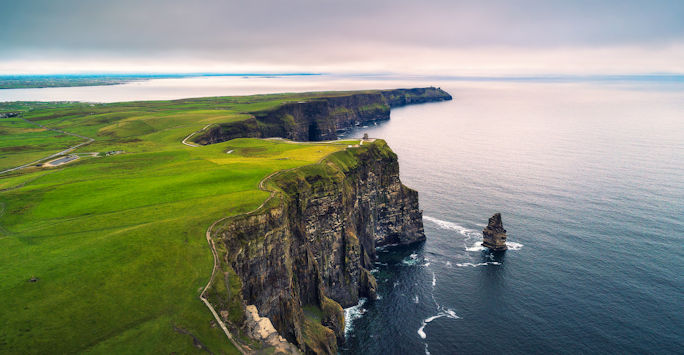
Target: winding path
(185,141)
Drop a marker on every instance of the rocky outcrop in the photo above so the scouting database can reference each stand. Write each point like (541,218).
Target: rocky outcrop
(260,328)
(320,118)
(494,235)
(308,252)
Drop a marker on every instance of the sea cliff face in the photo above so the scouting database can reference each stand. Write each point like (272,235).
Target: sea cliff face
(308,252)
(321,118)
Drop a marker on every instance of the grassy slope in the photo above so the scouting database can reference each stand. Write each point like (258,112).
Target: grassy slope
(22,142)
(117,242)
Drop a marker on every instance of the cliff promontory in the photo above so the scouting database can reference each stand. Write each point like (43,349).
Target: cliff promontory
(308,251)
(320,118)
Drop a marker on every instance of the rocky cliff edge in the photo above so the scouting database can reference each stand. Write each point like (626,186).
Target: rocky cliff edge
(309,250)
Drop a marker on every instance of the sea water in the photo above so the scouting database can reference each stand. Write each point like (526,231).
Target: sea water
(589,179)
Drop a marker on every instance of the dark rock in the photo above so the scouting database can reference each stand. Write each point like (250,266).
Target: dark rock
(316,247)
(320,118)
(494,235)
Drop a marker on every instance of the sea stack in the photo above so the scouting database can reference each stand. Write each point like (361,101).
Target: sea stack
(494,235)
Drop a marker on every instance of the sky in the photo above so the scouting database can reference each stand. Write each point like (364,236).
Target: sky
(442,37)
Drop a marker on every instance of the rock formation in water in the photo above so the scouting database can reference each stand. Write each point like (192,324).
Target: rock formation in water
(320,118)
(308,252)
(494,235)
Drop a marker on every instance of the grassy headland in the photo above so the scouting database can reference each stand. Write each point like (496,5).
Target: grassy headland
(115,244)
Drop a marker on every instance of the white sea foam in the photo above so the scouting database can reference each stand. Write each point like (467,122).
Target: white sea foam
(478,264)
(411,260)
(476,247)
(449,313)
(421,332)
(514,246)
(353,313)
(396,283)
(434,280)
(416,300)
(450,225)
(426,264)
(448,263)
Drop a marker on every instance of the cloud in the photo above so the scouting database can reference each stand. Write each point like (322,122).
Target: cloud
(341,34)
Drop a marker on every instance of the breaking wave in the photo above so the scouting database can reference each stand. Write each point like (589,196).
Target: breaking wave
(476,247)
(353,313)
(411,260)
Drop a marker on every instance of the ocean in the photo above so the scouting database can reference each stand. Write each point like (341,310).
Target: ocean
(588,175)
(589,179)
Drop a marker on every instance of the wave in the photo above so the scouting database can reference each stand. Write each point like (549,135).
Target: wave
(478,264)
(514,246)
(449,313)
(476,247)
(451,226)
(411,260)
(353,313)
(511,246)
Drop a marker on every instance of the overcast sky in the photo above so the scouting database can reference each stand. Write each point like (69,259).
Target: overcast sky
(477,37)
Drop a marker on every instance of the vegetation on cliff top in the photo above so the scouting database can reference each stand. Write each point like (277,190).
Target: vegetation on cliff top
(115,244)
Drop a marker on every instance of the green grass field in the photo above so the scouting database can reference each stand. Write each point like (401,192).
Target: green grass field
(117,242)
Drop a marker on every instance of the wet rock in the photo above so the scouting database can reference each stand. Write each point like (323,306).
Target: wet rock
(494,235)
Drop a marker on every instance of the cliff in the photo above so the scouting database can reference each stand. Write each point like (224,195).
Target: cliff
(307,252)
(320,118)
